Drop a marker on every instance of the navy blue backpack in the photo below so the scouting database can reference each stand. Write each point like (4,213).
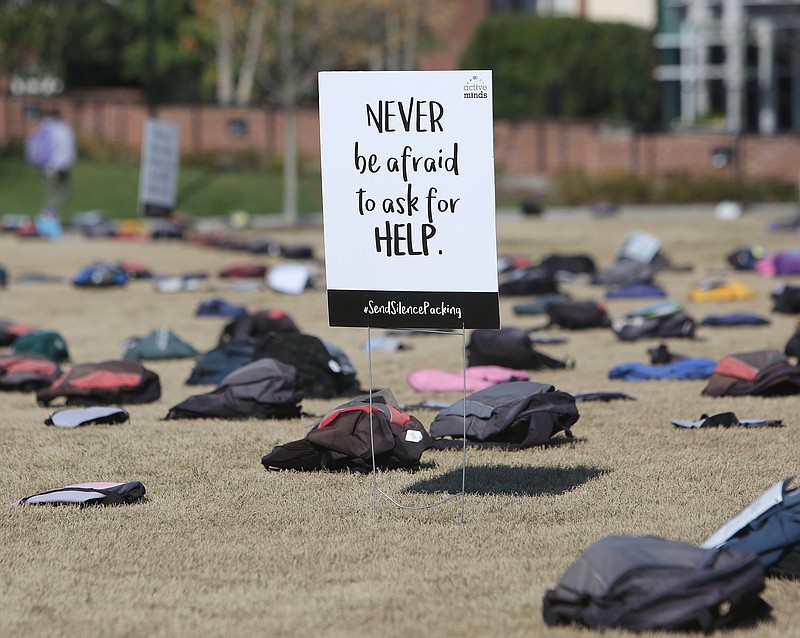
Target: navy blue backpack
(768,527)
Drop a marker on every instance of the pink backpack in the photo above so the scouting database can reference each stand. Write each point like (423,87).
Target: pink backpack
(477,378)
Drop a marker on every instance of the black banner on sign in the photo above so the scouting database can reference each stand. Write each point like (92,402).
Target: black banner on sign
(407,309)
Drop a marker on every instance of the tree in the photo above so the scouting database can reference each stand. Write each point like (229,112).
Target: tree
(563,66)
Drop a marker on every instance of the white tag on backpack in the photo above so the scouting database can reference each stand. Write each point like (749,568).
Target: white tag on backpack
(415,436)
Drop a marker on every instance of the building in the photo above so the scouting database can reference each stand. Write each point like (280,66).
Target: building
(733,64)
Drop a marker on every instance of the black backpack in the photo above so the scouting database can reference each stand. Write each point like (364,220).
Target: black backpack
(513,415)
(342,440)
(768,527)
(531,280)
(508,347)
(659,321)
(258,324)
(786,300)
(263,389)
(646,583)
(577,315)
(325,370)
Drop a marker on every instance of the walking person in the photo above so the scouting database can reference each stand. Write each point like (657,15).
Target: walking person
(51,148)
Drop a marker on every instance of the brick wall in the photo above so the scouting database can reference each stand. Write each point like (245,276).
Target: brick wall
(525,148)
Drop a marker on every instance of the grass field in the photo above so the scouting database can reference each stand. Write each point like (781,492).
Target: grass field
(220,547)
(113,188)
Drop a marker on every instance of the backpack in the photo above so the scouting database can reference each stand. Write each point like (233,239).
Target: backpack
(26,373)
(218,308)
(578,315)
(161,343)
(325,370)
(786,299)
(527,281)
(11,330)
(344,440)
(508,348)
(658,321)
(104,383)
(243,271)
(47,343)
(213,366)
(513,415)
(101,275)
(258,324)
(572,264)
(263,389)
(646,583)
(762,373)
(768,527)
(88,494)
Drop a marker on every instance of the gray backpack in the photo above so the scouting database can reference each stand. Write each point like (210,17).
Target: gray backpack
(644,583)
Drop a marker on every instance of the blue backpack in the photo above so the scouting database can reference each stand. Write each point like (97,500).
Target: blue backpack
(768,527)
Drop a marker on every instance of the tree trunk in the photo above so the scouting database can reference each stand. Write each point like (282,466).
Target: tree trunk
(224,61)
(291,166)
(252,53)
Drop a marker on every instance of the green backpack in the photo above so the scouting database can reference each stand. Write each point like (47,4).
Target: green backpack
(44,342)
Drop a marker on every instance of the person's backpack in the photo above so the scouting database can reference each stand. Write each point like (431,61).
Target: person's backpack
(571,264)
(647,583)
(213,366)
(768,527)
(107,382)
(578,315)
(324,369)
(26,373)
(258,324)
(513,415)
(762,373)
(263,389)
(345,438)
(82,494)
(508,347)
(161,343)
(662,320)
(47,343)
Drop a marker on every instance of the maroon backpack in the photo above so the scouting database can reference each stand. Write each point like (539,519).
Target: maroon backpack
(104,383)
(341,440)
(27,372)
(762,373)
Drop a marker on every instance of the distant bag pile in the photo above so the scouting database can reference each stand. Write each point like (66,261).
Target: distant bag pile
(342,439)
(103,383)
(513,415)
(648,583)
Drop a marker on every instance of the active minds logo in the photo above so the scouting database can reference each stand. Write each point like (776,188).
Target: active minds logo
(395,308)
(476,88)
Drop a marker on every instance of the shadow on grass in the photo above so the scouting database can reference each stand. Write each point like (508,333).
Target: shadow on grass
(511,480)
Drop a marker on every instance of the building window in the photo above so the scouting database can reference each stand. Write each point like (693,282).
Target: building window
(520,6)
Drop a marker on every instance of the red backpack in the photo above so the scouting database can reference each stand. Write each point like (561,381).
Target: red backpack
(107,382)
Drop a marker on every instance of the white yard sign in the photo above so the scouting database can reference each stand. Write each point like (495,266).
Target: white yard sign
(408,199)
(160,161)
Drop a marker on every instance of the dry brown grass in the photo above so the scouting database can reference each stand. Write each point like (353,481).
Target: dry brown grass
(222,547)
